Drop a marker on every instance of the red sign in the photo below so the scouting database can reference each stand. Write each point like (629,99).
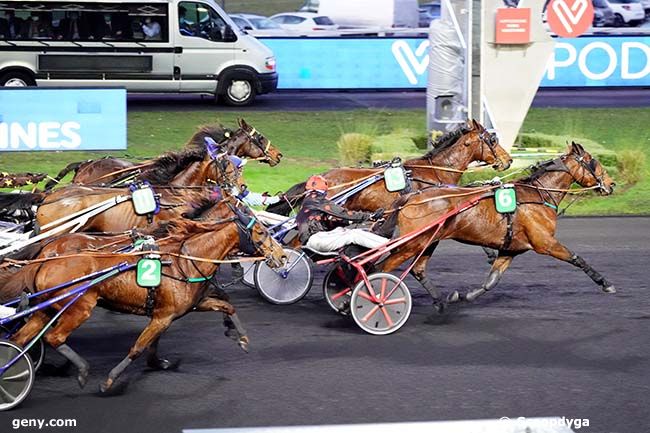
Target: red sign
(570,18)
(513,26)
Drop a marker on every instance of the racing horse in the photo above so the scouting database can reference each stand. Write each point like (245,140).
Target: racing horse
(443,165)
(121,217)
(194,247)
(531,227)
(244,142)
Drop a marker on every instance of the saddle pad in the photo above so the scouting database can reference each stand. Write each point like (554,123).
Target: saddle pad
(395,179)
(144,201)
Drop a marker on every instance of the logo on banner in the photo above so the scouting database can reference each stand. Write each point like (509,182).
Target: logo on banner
(413,63)
(513,26)
(570,18)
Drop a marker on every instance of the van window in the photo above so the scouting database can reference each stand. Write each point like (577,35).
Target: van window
(64,21)
(200,20)
(323,21)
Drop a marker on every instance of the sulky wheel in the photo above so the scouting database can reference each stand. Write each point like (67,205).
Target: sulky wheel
(337,288)
(385,312)
(16,381)
(287,285)
(36,353)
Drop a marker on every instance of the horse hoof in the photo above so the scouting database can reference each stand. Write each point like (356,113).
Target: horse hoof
(471,296)
(164,364)
(609,289)
(440,307)
(243,343)
(454,297)
(105,386)
(82,378)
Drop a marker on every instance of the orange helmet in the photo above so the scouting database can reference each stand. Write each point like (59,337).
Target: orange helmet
(317,183)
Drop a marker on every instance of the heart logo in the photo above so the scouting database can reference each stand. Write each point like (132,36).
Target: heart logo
(570,18)
(413,64)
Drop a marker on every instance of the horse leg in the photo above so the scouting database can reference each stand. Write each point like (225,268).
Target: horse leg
(419,273)
(147,337)
(491,254)
(212,304)
(498,268)
(560,252)
(157,363)
(74,317)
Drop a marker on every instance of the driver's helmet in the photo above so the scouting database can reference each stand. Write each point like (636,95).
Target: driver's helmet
(317,184)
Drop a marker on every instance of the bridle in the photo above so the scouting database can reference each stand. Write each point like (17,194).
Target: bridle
(245,226)
(256,139)
(490,139)
(590,167)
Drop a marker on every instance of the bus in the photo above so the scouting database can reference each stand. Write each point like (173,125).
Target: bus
(179,46)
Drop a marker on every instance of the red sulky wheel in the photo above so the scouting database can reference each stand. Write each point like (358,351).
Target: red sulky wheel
(386,311)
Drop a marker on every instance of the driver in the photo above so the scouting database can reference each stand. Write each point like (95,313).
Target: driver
(324,226)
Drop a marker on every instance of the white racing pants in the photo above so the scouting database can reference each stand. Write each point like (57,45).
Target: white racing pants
(341,236)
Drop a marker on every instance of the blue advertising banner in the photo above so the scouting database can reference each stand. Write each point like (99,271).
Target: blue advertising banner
(401,63)
(351,63)
(600,61)
(62,119)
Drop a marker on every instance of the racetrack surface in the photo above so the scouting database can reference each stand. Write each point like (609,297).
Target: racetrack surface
(325,101)
(545,342)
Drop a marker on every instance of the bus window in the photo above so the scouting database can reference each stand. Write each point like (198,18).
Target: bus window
(82,21)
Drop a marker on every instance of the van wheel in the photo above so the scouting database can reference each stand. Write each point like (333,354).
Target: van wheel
(619,21)
(239,92)
(16,79)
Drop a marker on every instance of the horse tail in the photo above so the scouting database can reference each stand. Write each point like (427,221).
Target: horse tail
(388,228)
(73,166)
(10,202)
(14,281)
(284,208)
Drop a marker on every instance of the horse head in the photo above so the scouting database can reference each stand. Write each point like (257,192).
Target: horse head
(248,142)
(254,238)
(587,171)
(486,147)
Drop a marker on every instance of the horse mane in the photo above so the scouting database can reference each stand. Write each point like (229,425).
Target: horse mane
(217,132)
(168,165)
(539,169)
(10,202)
(198,209)
(447,140)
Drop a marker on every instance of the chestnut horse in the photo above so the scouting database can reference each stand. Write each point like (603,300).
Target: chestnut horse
(177,295)
(244,142)
(173,202)
(531,227)
(444,165)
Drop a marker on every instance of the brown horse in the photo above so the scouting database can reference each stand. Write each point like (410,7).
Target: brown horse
(244,142)
(177,295)
(531,227)
(173,201)
(444,165)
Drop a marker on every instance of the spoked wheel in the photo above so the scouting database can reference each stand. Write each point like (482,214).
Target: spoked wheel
(36,353)
(288,285)
(386,311)
(16,382)
(249,273)
(337,289)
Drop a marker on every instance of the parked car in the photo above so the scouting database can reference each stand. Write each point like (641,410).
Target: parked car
(428,12)
(603,14)
(303,21)
(258,25)
(627,12)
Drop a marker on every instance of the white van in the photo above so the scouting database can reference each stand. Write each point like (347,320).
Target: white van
(145,46)
(380,13)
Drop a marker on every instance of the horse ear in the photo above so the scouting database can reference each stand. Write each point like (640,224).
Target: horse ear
(243,124)
(577,148)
